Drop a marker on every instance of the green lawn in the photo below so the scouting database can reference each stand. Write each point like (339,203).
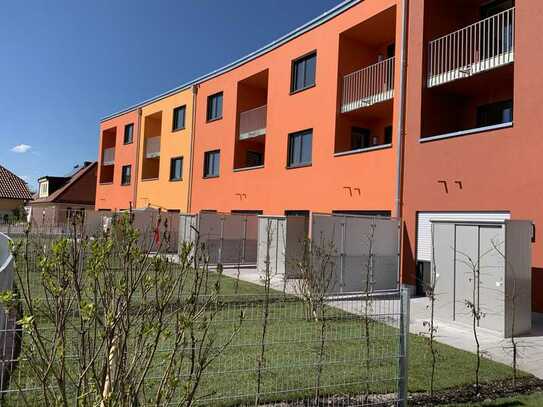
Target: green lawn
(292,349)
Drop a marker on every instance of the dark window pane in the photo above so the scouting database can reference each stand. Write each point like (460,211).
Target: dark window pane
(179,118)
(360,138)
(300,68)
(128,133)
(299,149)
(303,72)
(214,106)
(306,148)
(495,113)
(388,135)
(126,173)
(310,66)
(254,158)
(176,168)
(211,163)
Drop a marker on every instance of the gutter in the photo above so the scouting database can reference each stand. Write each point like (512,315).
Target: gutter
(137,166)
(401,115)
(191,152)
(401,132)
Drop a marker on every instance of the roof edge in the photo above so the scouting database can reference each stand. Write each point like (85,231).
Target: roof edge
(308,26)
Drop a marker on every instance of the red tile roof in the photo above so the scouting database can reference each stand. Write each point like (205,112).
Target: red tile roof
(71,181)
(12,187)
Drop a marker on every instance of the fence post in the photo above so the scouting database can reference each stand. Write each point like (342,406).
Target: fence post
(219,260)
(403,367)
(342,254)
(242,260)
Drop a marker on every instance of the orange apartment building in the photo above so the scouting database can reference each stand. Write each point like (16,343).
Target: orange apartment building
(306,124)
(318,121)
(117,161)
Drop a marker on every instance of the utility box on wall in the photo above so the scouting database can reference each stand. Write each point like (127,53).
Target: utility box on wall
(487,264)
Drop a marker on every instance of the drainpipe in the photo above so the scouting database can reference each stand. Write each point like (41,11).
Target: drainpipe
(401,128)
(192,138)
(136,173)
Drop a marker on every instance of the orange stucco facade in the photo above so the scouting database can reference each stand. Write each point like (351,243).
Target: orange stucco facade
(110,193)
(452,160)
(156,188)
(364,181)
(488,171)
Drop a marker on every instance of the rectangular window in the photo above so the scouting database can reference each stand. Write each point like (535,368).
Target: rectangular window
(299,148)
(247,211)
(254,158)
(495,113)
(179,118)
(128,133)
(44,189)
(495,7)
(303,72)
(214,107)
(388,135)
(126,174)
(212,161)
(176,169)
(390,50)
(360,138)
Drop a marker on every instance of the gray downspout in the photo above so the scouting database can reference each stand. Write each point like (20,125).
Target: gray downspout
(136,172)
(192,140)
(401,130)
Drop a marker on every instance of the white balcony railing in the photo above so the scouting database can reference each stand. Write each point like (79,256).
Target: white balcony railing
(252,123)
(368,86)
(108,156)
(479,47)
(152,147)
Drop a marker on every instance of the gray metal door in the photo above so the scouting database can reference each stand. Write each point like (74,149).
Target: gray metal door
(491,277)
(443,268)
(466,258)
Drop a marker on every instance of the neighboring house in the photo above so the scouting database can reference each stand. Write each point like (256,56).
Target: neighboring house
(58,197)
(13,193)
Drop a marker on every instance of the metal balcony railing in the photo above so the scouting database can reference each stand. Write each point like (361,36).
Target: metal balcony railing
(368,86)
(479,47)
(108,156)
(252,123)
(152,147)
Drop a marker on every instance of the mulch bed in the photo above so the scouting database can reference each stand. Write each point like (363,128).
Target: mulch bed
(459,395)
(487,392)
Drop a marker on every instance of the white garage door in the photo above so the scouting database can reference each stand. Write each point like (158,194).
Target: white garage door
(424,226)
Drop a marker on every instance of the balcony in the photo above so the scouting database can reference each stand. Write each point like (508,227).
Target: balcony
(108,156)
(479,47)
(152,147)
(252,123)
(368,86)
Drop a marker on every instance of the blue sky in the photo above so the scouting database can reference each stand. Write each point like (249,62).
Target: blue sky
(67,63)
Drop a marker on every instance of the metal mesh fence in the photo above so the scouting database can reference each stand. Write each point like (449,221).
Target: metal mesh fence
(351,356)
(159,230)
(268,348)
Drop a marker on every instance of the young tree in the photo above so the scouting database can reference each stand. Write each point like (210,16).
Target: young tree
(316,269)
(108,323)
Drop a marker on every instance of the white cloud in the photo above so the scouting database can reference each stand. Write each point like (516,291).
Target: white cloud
(21,148)
(25,178)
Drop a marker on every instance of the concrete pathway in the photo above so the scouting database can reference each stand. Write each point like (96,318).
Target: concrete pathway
(530,347)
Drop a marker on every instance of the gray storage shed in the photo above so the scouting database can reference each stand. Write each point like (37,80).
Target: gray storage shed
(487,264)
